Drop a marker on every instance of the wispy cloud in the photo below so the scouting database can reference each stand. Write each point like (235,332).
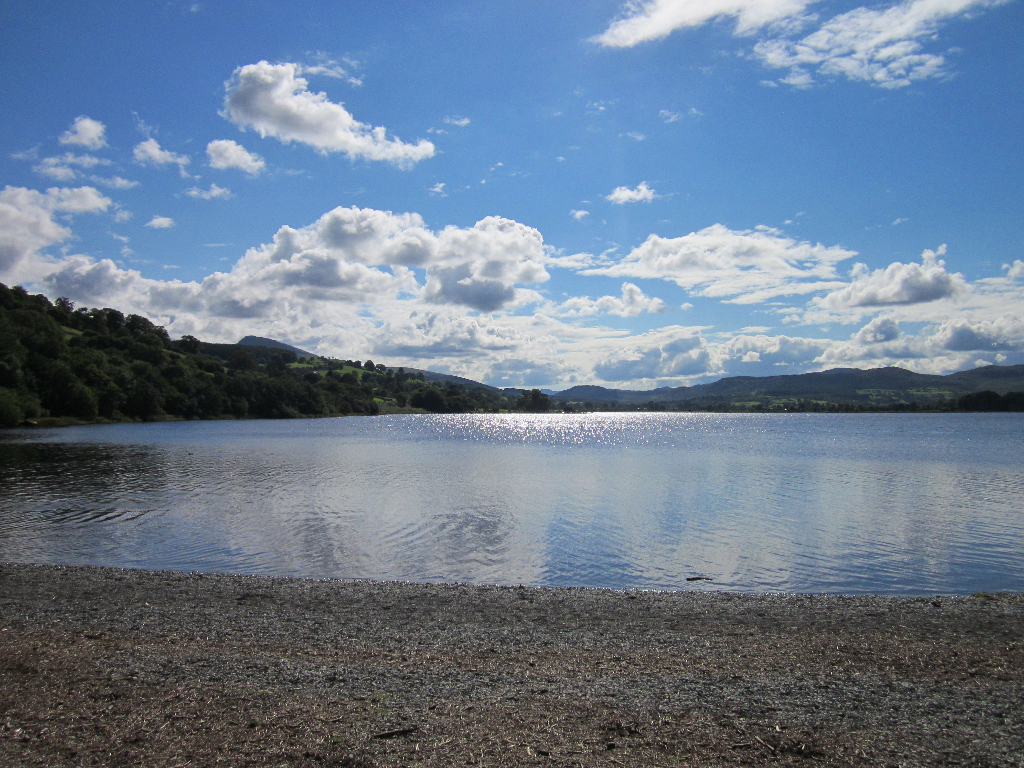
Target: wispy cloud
(654,19)
(213,193)
(326,66)
(61,167)
(114,182)
(149,152)
(880,45)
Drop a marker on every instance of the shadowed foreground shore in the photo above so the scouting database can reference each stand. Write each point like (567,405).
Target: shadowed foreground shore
(123,668)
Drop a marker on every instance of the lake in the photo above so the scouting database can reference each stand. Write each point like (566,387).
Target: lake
(897,504)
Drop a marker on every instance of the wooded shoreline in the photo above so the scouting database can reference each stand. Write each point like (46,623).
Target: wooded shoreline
(123,667)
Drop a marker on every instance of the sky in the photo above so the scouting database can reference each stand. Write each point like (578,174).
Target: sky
(535,193)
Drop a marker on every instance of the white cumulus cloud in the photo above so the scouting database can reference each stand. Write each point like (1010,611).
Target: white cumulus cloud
(479,267)
(27,222)
(622,195)
(225,153)
(85,132)
(631,303)
(943,347)
(897,284)
(667,353)
(969,335)
(360,282)
(1016,270)
(441,332)
(879,330)
(274,101)
(160,222)
(358,255)
(758,354)
(349,279)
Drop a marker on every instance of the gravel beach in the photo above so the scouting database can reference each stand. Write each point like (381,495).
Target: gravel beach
(112,667)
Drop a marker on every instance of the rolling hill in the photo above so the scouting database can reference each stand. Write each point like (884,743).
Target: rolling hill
(876,386)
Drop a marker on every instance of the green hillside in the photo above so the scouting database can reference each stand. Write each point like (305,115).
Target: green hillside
(62,364)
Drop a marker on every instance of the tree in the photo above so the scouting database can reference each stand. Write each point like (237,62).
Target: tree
(10,408)
(429,399)
(533,401)
(276,365)
(189,345)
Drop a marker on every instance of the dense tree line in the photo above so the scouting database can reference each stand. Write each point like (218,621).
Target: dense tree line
(57,360)
(991,401)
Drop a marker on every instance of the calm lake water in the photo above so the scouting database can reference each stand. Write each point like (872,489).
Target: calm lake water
(886,504)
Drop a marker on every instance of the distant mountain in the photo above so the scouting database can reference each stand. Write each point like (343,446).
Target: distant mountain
(447,378)
(875,386)
(259,341)
(594,393)
(879,386)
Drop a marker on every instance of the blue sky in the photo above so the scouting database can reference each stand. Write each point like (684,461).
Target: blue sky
(531,193)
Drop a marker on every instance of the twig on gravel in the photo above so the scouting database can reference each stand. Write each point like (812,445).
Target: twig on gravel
(395,733)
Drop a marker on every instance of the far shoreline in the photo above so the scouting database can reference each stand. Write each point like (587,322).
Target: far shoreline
(57,422)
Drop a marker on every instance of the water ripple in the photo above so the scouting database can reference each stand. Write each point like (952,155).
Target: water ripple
(887,504)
